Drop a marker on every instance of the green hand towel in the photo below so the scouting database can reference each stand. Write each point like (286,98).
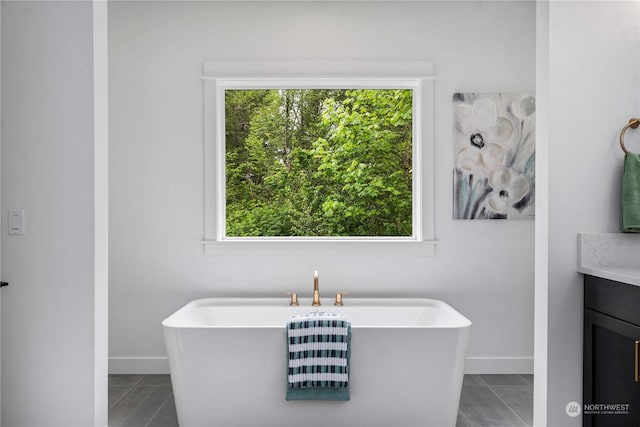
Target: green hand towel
(631,194)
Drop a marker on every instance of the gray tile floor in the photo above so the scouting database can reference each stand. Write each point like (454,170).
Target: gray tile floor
(141,401)
(486,401)
(496,401)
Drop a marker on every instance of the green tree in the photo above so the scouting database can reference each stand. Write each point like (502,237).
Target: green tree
(310,162)
(368,155)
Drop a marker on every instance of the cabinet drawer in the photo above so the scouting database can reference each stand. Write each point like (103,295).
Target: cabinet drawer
(616,299)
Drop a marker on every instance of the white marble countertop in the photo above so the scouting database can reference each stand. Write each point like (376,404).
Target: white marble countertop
(613,256)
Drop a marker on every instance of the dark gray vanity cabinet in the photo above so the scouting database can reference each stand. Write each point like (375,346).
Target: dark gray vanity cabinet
(611,353)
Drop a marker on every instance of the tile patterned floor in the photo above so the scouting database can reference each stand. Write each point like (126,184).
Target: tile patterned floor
(486,401)
(141,401)
(496,401)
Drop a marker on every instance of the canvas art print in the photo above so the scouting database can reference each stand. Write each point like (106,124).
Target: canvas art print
(494,141)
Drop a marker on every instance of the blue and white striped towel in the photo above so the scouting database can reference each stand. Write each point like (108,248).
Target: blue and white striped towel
(318,362)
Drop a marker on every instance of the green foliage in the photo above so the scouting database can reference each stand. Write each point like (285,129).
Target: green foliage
(319,162)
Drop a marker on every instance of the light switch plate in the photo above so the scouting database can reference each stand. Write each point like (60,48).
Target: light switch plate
(17,222)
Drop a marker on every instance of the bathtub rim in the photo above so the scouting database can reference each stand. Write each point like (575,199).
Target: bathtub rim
(462,322)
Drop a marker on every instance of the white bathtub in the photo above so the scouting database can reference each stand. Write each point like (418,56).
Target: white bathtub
(228,360)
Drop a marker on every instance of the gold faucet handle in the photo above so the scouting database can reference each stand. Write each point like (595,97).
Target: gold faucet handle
(339,298)
(294,298)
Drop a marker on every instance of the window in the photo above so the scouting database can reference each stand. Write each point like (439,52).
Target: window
(318,162)
(306,155)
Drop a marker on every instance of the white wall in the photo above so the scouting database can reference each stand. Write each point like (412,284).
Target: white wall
(593,91)
(47,169)
(484,269)
(541,263)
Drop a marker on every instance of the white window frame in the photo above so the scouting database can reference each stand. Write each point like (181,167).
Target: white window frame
(222,75)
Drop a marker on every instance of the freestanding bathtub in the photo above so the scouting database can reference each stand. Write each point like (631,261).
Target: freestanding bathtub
(228,359)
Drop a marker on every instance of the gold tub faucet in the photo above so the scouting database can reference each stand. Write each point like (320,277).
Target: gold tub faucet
(316,290)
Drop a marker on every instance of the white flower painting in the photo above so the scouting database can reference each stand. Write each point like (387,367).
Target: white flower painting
(494,142)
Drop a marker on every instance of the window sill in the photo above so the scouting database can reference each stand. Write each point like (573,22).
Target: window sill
(320,247)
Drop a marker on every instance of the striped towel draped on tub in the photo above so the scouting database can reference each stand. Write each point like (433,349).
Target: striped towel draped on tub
(318,362)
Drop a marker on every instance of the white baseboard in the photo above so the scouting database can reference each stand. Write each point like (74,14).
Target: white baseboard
(473,365)
(138,365)
(498,365)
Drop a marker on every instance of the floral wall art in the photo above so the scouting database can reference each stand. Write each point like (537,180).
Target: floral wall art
(494,140)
